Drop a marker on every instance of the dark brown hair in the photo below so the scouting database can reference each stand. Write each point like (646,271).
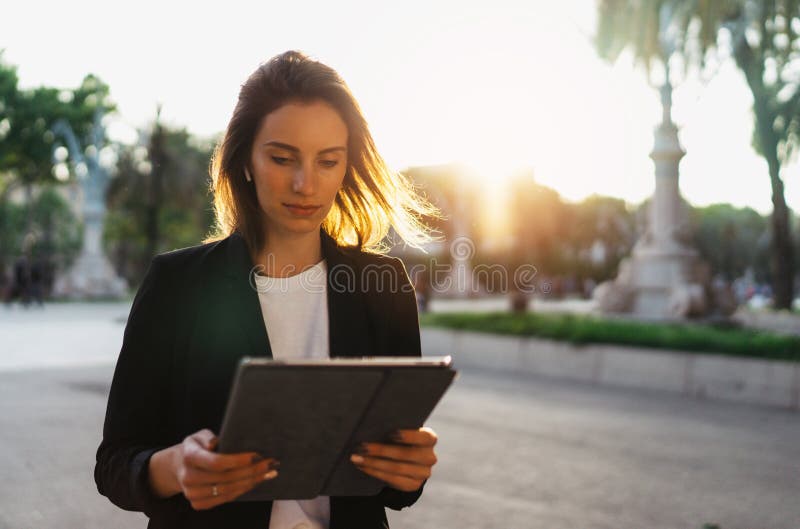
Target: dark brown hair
(372,198)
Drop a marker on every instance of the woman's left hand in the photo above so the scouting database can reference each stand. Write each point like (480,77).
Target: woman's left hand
(404,465)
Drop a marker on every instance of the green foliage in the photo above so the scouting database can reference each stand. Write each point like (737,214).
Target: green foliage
(586,329)
(184,213)
(27,117)
(46,227)
(732,240)
(8,97)
(45,224)
(82,103)
(559,237)
(12,226)
(60,234)
(761,35)
(637,24)
(624,23)
(588,239)
(597,221)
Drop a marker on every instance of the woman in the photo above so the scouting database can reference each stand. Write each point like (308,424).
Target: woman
(301,196)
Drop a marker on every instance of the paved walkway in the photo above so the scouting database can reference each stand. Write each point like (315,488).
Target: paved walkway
(515,451)
(61,334)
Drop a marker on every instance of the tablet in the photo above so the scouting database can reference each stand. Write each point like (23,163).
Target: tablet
(311,415)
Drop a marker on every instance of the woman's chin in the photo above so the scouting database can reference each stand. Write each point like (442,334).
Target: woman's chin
(297,227)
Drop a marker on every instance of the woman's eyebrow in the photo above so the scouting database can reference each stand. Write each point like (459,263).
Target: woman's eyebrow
(333,149)
(292,148)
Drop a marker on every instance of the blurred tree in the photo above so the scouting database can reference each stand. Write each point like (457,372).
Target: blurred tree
(45,228)
(762,38)
(9,93)
(452,189)
(155,189)
(12,227)
(8,97)
(601,231)
(148,214)
(31,114)
(538,219)
(729,239)
(26,155)
(57,232)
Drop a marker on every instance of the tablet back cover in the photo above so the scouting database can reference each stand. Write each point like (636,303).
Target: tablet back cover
(314,409)
(323,413)
(404,401)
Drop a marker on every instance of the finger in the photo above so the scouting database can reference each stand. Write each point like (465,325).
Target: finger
(409,470)
(195,476)
(420,437)
(398,482)
(202,497)
(197,456)
(420,455)
(223,490)
(205,438)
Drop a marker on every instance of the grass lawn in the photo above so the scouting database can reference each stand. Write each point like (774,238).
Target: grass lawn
(580,329)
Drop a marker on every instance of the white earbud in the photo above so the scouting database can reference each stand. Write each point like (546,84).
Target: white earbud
(247,175)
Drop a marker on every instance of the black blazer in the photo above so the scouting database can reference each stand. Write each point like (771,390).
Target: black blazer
(194,316)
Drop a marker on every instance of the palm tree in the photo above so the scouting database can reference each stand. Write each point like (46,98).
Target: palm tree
(761,36)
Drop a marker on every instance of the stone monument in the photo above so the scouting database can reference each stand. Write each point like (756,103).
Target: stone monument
(91,276)
(664,278)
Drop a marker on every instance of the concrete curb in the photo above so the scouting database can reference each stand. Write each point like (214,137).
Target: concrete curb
(710,376)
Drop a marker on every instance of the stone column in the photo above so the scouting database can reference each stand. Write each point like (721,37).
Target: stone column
(91,276)
(665,215)
(663,278)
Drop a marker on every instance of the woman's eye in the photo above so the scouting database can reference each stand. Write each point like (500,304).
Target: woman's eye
(281,160)
(329,163)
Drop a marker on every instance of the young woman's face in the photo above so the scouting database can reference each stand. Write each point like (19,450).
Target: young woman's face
(298,163)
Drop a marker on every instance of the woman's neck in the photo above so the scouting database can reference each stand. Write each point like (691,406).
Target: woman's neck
(289,254)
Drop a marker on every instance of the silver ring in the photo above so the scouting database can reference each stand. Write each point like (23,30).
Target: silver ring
(214,490)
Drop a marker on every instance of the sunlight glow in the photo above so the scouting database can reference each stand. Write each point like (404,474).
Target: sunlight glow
(515,85)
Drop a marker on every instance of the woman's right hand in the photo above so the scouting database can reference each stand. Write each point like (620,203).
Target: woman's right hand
(206,478)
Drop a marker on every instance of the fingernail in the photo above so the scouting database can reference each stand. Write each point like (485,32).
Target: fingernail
(271,474)
(258,458)
(274,464)
(355,458)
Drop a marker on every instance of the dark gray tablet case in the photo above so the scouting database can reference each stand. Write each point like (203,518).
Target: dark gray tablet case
(312,415)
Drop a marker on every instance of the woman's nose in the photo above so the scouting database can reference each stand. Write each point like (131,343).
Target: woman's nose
(304,181)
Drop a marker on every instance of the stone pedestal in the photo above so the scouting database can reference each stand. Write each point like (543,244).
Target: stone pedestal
(657,285)
(91,276)
(664,278)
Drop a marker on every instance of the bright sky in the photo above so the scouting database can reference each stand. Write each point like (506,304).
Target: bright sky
(496,86)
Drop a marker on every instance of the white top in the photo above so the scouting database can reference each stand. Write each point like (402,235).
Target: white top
(295,311)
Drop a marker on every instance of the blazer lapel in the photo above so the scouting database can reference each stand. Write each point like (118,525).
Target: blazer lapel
(244,296)
(348,323)
(349,333)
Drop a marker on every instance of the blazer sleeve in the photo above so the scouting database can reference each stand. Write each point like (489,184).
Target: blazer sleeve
(135,416)
(402,337)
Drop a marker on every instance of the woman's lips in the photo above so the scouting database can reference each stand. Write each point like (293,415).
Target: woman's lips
(300,210)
